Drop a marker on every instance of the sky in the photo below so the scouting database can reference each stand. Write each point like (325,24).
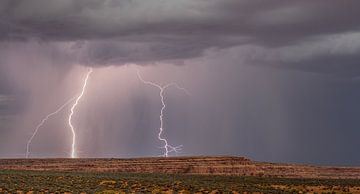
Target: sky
(273,80)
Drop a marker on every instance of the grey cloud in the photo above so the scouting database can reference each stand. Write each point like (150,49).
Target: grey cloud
(125,31)
(264,113)
(335,54)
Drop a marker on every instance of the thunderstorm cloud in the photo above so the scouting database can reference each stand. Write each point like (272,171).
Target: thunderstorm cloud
(271,80)
(304,35)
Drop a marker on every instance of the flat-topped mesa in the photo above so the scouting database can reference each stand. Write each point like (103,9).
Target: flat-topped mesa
(202,165)
(190,165)
(151,164)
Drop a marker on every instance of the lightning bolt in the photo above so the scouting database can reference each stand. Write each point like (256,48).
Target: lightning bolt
(27,154)
(167,147)
(73,145)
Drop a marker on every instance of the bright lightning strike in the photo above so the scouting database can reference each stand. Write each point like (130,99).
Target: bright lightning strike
(167,147)
(42,123)
(73,145)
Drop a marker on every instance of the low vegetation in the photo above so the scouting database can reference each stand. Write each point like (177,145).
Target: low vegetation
(15,181)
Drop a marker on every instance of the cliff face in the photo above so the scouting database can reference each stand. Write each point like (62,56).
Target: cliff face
(184,165)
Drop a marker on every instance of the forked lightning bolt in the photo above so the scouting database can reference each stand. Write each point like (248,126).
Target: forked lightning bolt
(168,148)
(42,123)
(73,145)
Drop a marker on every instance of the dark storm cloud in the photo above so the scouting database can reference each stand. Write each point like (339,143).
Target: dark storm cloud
(237,106)
(118,32)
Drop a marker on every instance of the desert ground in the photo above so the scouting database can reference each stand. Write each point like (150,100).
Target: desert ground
(172,175)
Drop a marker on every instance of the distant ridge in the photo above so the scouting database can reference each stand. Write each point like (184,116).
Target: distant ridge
(202,165)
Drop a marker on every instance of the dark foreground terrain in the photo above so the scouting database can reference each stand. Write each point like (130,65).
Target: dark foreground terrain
(172,175)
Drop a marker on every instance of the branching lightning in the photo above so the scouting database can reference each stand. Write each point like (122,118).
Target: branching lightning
(42,123)
(73,145)
(167,147)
